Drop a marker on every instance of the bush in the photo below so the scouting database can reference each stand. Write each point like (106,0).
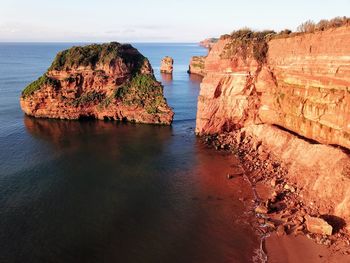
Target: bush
(310,27)
(38,84)
(307,27)
(91,55)
(285,32)
(89,97)
(142,90)
(245,42)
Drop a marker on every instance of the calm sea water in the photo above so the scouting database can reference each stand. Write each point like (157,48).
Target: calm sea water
(95,191)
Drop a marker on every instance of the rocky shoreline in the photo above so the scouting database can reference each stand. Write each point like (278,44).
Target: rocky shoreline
(279,207)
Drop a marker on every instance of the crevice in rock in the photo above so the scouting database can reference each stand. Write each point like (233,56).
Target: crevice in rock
(342,148)
(295,134)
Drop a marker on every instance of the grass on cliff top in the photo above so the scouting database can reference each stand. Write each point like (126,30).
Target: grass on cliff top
(91,55)
(306,27)
(245,43)
(37,84)
(143,90)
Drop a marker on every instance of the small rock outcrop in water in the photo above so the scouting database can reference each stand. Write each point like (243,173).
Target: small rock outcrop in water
(166,65)
(108,81)
(197,65)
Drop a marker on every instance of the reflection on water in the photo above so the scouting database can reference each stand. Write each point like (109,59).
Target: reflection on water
(95,191)
(125,192)
(62,132)
(166,78)
(195,79)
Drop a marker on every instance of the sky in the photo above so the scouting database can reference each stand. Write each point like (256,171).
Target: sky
(153,20)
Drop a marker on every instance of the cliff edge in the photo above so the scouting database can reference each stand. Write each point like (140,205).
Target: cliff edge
(300,83)
(287,98)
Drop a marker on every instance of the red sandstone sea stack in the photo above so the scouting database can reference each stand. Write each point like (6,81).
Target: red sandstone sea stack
(109,81)
(197,65)
(166,65)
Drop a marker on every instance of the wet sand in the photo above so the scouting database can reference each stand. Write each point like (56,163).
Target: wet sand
(300,249)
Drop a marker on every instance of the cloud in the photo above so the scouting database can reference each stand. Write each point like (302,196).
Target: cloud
(125,33)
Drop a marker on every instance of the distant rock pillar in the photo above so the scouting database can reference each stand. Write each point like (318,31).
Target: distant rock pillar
(166,65)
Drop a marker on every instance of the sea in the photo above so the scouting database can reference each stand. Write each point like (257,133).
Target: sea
(103,191)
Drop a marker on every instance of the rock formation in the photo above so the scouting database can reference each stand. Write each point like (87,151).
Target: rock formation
(166,65)
(109,81)
(197,65)
(291,95)
(301,83)
(209,42)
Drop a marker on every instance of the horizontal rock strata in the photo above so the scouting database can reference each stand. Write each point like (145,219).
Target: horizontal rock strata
(290,94)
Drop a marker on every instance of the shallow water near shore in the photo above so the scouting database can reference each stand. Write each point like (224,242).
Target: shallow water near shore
(95,191)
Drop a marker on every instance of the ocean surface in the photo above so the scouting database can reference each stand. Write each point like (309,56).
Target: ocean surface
(96,191)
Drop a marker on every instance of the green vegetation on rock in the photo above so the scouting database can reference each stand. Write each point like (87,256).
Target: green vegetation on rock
(89,97)
(324,24)
(139,89)
(37,84)
(245,43)
(142,90)
(91,55)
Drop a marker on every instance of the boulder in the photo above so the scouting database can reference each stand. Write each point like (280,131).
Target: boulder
(317,225)
(260,209)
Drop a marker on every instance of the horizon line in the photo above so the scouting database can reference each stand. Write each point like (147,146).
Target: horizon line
(92,42)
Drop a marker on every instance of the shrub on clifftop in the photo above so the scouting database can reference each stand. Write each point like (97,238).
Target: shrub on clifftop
(245,42)
(91,55)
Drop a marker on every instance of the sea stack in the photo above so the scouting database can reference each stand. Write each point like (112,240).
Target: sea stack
(197,65)
(110,81)
(166,65)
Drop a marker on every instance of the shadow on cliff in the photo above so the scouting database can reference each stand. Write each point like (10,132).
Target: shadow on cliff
(336,222)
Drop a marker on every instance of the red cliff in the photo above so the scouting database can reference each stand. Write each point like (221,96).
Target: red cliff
(303,86)
(280,91)
(208,42)
(108,81)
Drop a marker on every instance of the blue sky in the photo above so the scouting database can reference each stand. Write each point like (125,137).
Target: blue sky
(153,20)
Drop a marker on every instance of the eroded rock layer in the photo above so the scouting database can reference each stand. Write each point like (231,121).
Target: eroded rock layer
(109,81)
(303,86)
(292,96)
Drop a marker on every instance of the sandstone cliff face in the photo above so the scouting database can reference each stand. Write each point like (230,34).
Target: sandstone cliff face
(303,87)
(299,89)
(166,65)
(208,43)
(109,81)
(197,65)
